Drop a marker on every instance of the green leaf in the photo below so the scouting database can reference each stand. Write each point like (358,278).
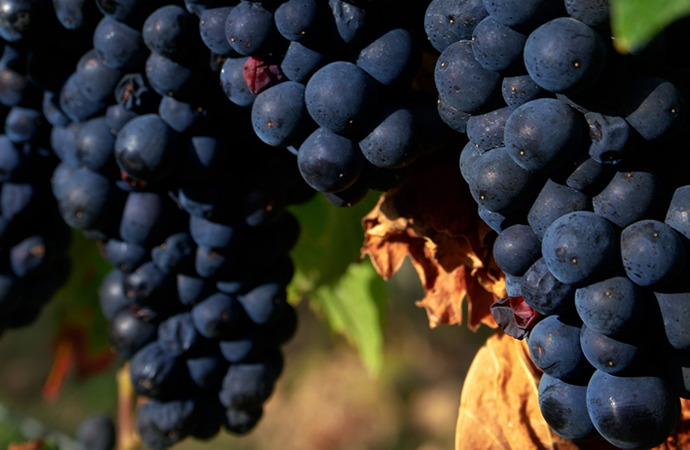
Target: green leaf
(330,237)
(350,295)
(355,307)
(634,22)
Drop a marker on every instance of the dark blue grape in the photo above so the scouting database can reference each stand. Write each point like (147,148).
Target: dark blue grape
(125,256)
(555,349)
(181,116)
(177,335)
(584,174)
(543,135)
(300,20)
(29,256)
(162,424)
(175,254)
(170,78)
(519,90)
(74,104)
(116,116)
(611,136)
(652,253)
(612,306)
(455,119)
(97,432)
(497,47)
(350,196)
(265,303)
(630,196)
(523,14)
(247,385)
(20,19)
(111,294)
(250,28)
(544,293)
(212,30)
(498,184)
(677,216)
(564,55)
(96,80)
(93,146)
(145,219)
(216,316)
(632,412)
(619,355)
(191,290)
(131,12)
(133,94)
(245,346)
(564,407)
(51,110)
(486,130)
(580,247)
(280,117)
(392,142)
(210,263)
(301,61)
(348,24)
(654,107)
(207,371)
(594,13)
(170,31)
(393,59)
(516,249)
(554,201)
(463,17)
(241,421)
(149,286)
(513,286)
(329,162)
(24,125)
(118,45)
(341,97)
(463,83)
(232,81)
(21,201)
(437,27)
(129,333)
(86,200)
(215,235)
(146,148)
(155,373)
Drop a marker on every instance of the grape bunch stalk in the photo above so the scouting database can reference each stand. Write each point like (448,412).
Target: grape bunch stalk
(575,158)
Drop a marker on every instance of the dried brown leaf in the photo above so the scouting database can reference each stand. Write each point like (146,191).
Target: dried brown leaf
(432,219)
(499,405)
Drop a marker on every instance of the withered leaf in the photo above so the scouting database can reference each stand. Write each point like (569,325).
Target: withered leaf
(499,405)
(432,219)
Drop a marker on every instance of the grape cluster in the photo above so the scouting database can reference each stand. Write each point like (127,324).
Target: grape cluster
(330,81)
(575,158)
(33,239)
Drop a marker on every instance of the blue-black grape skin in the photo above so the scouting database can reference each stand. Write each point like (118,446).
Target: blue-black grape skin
(207,371)
(542,135)
(215,235)
(216,316)
(393,59)
(393,140)
(463,83)
(652,253)
(212,30)
(348,24)
(564,55)
(247,386)
(177,335)
(176,254)
(630,196)
(301,61)
(523,14)
(250,28)
(454,118)
(240,421)
(612,138)
(247,345)
(191,290)
(125,256)
(341,97)
(498,184)
(118,45)
(329,162)
(674,312)
(516,249)
(486,131)
(655,108)
(555,349)
(580,247)
(147,149)
(85,199)
(97,432)
(162,424)
(128,333)
(677,216)
(519,90)
(97,80)
(497,47)
(300,20)
(145,218)
(280,117)
(594,13)
(614,355)
(564,407)
(632,412)
(170,78)
(544,293)
(156,373)
(232,81)
(265,303)
(612,306)
(437,27)
(554,201)
(169,31)
(463,17)
(94,145)
(111,294)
